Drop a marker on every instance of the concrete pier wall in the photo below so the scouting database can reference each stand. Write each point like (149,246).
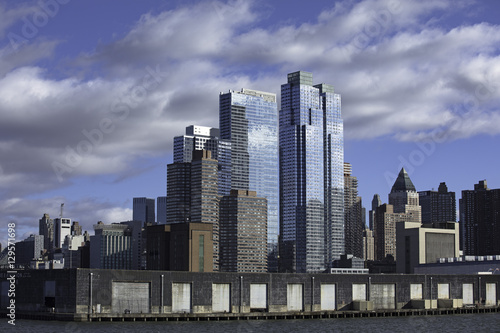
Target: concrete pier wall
(83,291)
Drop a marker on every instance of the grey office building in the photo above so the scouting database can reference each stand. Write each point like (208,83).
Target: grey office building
(144,210)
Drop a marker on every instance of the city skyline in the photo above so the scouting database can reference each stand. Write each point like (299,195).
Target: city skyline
(118,90)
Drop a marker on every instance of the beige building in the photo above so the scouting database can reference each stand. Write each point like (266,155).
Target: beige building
(384,231)
(368,245)
(204,196)
(424,244)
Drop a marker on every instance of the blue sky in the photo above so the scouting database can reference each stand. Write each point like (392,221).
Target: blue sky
(93,92)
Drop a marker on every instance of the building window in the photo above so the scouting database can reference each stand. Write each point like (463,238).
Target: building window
(201,253)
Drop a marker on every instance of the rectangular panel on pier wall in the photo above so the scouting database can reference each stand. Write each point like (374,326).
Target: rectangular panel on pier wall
(258,296)
(491,294)
(328,297)
(443,291)
(181,297)
(221,295)
(383,296)
(416,291)
(130,297)
(468,293)
(358,292)
(295,299)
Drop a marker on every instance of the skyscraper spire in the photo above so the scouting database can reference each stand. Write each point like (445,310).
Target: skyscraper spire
(403,182)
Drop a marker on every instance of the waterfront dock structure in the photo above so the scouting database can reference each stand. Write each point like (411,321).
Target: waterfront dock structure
(115,295)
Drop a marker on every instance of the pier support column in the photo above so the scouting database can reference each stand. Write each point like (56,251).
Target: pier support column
(90,292)
(161,292)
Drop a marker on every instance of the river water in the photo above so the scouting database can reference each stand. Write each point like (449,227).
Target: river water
(449,323)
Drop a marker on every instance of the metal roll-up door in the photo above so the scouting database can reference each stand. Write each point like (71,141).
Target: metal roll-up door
(258,296)
(294,298)
(468,293)
(416,291)
(131,297)
(443,291)
(181,297)
(328,297)
(221,293)
(491,294)
(383,296)
(359,292)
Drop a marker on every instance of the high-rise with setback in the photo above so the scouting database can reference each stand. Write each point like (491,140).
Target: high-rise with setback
(311,175)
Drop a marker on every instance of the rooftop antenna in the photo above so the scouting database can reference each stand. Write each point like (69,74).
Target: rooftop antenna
(62,205)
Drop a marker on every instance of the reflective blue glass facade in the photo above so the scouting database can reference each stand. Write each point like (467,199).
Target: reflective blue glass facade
(311,175)
(249,120)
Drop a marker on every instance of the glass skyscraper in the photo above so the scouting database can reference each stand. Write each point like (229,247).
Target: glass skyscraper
(311,175)
(249,120)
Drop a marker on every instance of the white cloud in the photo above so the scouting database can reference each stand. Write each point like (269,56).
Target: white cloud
(400,73)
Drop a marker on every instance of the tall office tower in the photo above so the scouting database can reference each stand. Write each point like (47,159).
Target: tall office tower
(384,231)
(161,210)
(76,229)
(178,192)
(403,207)
(192,194)
(206,138)
(144,210)
(243,232)
(404,198)
(376,202)
(62,228)
(353,221)
(311,175)
(46,229)
(480,220)
(249,120)
(438,206)
(204,196)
